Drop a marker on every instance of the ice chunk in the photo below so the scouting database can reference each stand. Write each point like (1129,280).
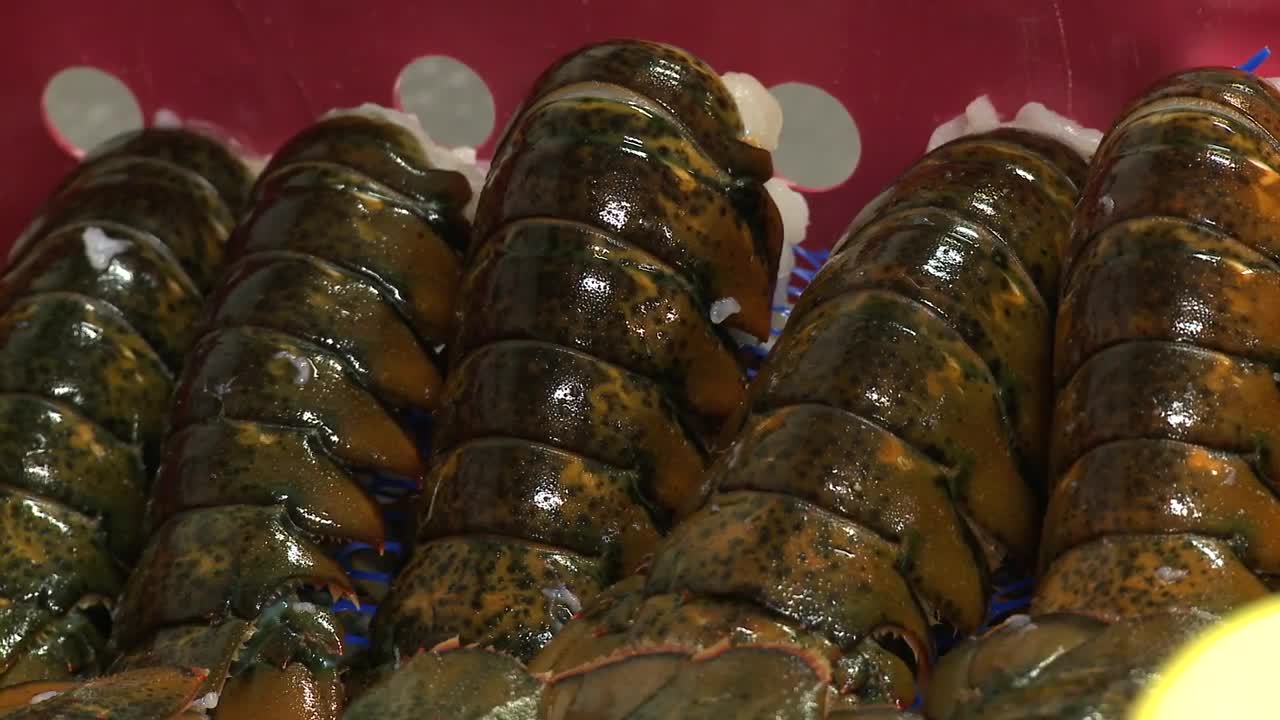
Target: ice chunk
(761,114)
(724,307)
(100,249)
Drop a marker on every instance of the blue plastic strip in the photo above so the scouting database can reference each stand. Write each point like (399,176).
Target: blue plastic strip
(813,257)
(1256,60)
(806,275)
(1000,607)
(345,605)
(1016,586)
(356,640)
(370,575)
(390,546)
(384,482)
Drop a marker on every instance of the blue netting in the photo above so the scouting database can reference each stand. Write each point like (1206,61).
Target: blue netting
(1256,60)
(392,493)
(800,278)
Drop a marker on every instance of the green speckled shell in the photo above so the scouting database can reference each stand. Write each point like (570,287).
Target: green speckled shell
(197,646)
(336,214)
(1161,279)
(315,346)
(793,559)
(31,573)
(611,299)
(92,334)
(378,149)
(889,458)
(229,462)
(1097,679)
(723,235)
(739,682)
(963,273)
(54,451)
(1218,189)
(202,155)
(252,374)
(1132,575)
(856,469)
(506,486)
(1230,87)
(685,86)
(466,684)
(497,592)
(1016,194)
(137,695)
(1151,389)
(622,623)
(891,361)
(536,390)
(209,564)
(186,217)
(143,281)
(336,309)
(587,382)
(61,648)
(82,352)
(1163,505)
(1141,486)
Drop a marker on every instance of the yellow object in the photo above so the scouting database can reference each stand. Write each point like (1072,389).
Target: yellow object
(1228,672)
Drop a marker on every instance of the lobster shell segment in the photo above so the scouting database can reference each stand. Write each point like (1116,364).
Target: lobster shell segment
(97,309)
(480,683)
(136,695)
(887,464)
(588,381)
(1163,512)
(318,353)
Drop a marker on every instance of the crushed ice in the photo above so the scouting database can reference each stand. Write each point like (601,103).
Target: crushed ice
(302,367)
(41,697)
(461,160)
(724,307)
(100,249)
(206,702)
(166,119)
(561,595)
(981,116)
(760,111)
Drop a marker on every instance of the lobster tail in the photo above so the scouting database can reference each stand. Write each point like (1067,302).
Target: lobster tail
(887,462)
(317,352)
(588,379)
(99,304)
(1163,510)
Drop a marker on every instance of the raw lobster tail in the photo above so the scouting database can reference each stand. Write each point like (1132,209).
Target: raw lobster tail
(317,348)
(885,464)
(1163,512)
(99,304)
(587,379)
(842,527)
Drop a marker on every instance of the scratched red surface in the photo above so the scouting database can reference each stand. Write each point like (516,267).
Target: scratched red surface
(263,68)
